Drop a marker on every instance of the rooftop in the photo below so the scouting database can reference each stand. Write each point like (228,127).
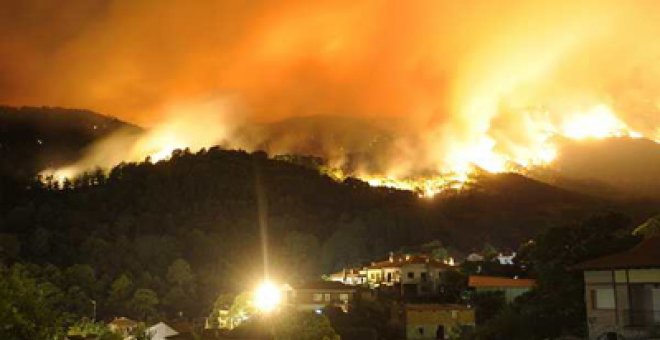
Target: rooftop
(396,262)
(644,255)
(494,281)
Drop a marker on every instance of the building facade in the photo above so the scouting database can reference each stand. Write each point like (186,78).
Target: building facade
(622,292)
(436,321)
(314,296)
(413,275)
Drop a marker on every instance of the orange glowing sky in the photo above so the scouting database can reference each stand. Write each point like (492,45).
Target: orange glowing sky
(374,58)
(462,81)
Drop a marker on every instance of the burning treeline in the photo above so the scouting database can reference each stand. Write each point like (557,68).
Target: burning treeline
(493,84)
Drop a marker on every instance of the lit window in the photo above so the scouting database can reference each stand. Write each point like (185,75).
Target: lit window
(603,298)
(327,297)
(317,297)
(343,297)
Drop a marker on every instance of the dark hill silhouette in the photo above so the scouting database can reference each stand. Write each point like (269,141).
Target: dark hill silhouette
(35,138)
(214,192)
(142,220)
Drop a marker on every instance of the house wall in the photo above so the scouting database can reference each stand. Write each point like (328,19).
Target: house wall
(416,269)
(423,324)
(374,276)
(618,319)
(644,275)
(395,275)
(634,276)
(422,287)
(304,299)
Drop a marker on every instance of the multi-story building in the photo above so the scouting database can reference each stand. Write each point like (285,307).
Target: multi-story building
(622,292)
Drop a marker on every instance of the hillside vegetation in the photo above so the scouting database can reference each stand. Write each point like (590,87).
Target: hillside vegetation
(199,213)
(164,239)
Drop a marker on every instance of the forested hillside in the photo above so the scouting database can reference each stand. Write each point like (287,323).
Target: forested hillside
(164,239)
(187,228)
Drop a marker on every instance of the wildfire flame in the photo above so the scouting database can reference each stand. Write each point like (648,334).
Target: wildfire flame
(475,85)
(596,122)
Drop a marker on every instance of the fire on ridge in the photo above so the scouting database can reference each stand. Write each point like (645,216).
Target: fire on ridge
(155,145)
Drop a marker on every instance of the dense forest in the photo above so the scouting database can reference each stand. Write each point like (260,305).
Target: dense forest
(197,214)
(148,240)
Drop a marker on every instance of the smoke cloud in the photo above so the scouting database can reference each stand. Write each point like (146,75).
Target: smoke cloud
(453,82)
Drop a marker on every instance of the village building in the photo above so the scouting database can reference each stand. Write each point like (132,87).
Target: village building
(622,292)
(436,321)
(414,275)
(421,275)
(314,296)
(350,276)
(511,288)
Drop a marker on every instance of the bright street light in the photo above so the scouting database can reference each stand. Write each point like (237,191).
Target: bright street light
(267,297)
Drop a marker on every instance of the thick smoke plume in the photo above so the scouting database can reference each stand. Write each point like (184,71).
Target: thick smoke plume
(454,82)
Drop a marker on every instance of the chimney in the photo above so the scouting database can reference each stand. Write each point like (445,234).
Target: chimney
(407,257)
(391,257)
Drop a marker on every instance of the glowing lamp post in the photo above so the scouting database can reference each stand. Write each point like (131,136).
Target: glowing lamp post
(267,297)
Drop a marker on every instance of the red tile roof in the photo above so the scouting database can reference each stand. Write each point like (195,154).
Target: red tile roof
(494,281)
(644,255)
